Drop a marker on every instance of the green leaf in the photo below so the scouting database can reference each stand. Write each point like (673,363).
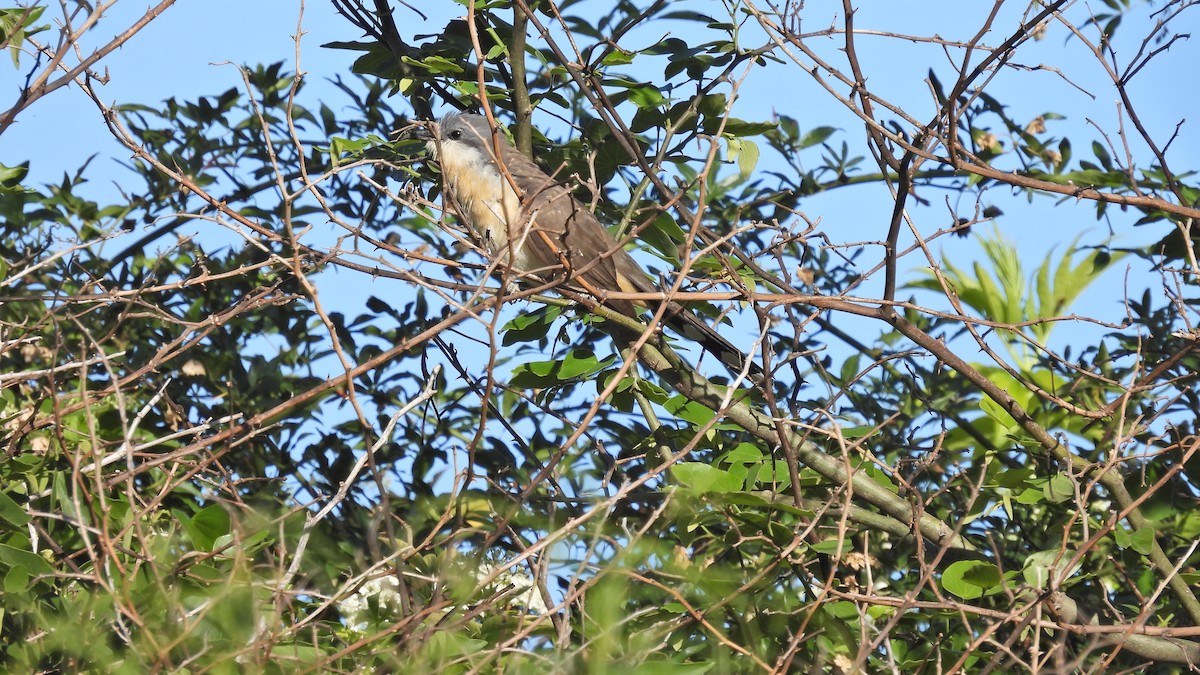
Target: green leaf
(208,573)
(497,49)
(1031,496)
(16,25)
(1122,537)
(1013,478)
(1040,566)
(704,478)
(11,176)
(688,15)
(939,91)
(1142,540)
(580,362)
(1059,488)
(577,364)
(998,413)
(834,546)
(17,580)
(339,147)
(970,579)
(1102,155)
(530,326)
(297,653)
(743,453)
(618,57)
(34,563)
(745,153)
(816,136)
(204,528)
(689,410)
(652,391)
(436,65)
(535,375)
(646,97)
(736,127)
(12,512)
(446,644)
(858,432)
(665,235)
(712,106)
(880,476)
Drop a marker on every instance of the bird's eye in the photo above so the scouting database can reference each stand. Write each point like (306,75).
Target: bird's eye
(455,135)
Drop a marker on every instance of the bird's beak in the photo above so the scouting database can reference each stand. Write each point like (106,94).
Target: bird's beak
(420,131)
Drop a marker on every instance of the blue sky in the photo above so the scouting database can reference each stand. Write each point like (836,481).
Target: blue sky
(180,54)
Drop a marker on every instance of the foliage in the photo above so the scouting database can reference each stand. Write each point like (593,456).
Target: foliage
(265,408)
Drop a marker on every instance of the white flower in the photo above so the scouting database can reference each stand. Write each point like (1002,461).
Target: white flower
(192,368)
(518,582)
(376,599)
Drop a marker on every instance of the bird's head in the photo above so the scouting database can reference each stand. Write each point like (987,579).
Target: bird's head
(460,138)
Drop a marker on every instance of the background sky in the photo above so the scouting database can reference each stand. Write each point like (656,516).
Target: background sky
(187,52)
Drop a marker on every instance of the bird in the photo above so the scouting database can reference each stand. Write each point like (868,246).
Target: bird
(534,226)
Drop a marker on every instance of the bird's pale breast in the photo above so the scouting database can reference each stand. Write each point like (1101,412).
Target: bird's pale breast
(489,204)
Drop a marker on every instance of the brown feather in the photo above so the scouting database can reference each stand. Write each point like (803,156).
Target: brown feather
(551,227)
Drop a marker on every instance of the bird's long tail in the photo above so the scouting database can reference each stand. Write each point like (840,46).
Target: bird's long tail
(692,327)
